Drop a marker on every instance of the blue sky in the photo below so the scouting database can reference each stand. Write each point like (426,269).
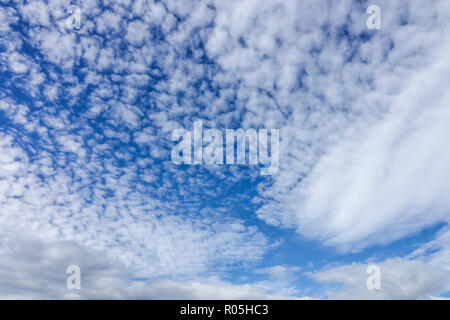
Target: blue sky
(91,92)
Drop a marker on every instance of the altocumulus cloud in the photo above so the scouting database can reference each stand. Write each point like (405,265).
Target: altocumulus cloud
(86,116)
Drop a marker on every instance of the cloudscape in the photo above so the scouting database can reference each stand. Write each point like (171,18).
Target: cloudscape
(224,149)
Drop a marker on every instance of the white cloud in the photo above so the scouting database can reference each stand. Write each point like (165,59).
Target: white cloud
(144,235)
(382,160)
(17,63)
(136,33)
(36,12)
(33,269)
(400,279)
(363,118)
(279,272)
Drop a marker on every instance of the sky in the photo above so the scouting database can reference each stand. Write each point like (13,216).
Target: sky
(91,92)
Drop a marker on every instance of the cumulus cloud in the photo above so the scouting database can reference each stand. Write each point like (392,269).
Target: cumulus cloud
(400,279)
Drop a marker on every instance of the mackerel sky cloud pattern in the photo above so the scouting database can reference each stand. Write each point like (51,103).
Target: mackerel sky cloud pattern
(90,96)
